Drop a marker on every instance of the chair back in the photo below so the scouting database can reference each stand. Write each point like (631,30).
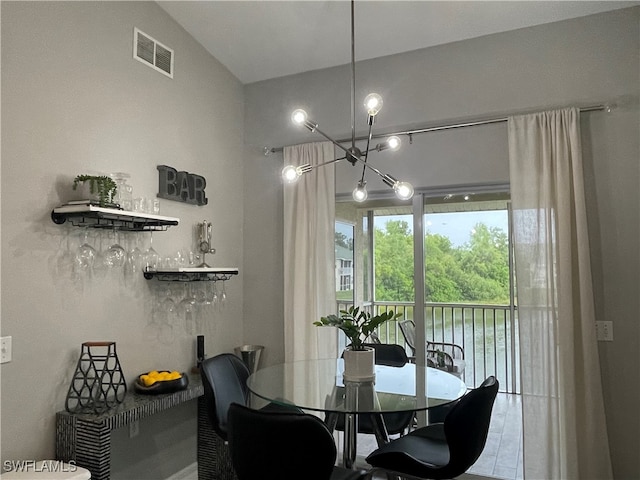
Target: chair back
(224,378)
(467,424)
(279,445)
(408,330)
(389,354)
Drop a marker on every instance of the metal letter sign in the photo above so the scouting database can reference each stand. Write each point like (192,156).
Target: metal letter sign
(181,186)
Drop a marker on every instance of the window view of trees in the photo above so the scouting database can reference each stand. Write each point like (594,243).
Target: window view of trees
(475,272)
(471,271)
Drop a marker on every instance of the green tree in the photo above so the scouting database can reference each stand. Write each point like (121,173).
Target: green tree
(485,263)
(441,270)
(476,272)
(344,241)
(393,256)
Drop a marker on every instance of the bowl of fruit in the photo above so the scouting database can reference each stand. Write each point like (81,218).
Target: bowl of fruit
(161,381)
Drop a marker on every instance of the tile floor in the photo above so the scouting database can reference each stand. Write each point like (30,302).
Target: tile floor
(502,455)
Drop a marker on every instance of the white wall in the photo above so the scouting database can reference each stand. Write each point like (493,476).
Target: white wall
(75,101)
(577,62)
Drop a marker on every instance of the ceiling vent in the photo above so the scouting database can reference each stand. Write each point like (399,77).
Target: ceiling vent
(152,53)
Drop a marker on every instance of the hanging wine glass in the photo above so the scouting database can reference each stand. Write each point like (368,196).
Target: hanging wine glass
(212,293)
(200,294)
(134,258)
(151,257)
(100,264)
(187,307)
(66,259)
(116,255)
(86,254)
(223,294)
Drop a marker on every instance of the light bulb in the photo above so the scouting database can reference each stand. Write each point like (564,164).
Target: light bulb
(394,142)
(373,104)
(291,174)
(360,193)
(404,190)
(299,116)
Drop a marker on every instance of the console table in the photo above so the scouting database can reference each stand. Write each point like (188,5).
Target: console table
(85,438)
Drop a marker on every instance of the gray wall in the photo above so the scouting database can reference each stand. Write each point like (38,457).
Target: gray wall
(75,101)
(577,62)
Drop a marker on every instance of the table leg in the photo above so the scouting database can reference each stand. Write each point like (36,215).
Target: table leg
(350,440)
(379,429)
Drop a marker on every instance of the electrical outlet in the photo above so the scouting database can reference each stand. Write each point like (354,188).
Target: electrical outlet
(604,331)
(134,429)
(5,349)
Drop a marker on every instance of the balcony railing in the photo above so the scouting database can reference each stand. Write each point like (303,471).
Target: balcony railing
(487,333)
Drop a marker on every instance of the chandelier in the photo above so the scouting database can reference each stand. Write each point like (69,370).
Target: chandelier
(353,154)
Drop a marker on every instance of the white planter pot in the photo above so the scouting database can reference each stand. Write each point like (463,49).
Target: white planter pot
(359,365)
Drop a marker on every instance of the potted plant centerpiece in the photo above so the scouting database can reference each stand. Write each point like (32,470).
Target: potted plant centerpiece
(98,188)
(357,325)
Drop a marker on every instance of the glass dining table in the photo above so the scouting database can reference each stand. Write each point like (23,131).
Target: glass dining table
(318,385)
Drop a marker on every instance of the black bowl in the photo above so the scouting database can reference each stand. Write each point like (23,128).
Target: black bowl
(166,386)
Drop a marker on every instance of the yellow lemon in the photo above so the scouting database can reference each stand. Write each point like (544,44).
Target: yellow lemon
(148,381)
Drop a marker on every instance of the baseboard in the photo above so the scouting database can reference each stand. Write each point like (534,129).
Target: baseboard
(190,472)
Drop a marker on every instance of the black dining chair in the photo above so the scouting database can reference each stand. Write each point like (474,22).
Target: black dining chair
(442,355)
(442,450)
(283,446)
(396,423)
(224,379)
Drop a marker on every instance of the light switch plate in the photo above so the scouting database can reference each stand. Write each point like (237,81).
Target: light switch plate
(604,331)
(5,349)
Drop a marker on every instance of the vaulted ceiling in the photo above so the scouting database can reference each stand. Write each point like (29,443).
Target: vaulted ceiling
(258,40)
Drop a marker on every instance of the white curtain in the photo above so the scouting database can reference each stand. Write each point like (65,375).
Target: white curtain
(309,254)
(565,434)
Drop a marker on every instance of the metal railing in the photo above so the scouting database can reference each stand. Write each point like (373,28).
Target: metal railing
(487,333)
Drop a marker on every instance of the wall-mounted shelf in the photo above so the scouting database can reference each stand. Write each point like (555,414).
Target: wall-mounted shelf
(192,274)
(110,218)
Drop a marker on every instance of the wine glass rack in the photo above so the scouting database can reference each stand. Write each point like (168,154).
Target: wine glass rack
(192,274)
(111,218)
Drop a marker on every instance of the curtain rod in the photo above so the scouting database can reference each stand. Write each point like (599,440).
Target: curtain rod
(447,126)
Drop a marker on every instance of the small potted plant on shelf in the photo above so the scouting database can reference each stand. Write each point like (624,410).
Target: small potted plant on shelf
(357,325)
(101,188)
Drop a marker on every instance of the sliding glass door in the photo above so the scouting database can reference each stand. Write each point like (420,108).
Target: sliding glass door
(444,262)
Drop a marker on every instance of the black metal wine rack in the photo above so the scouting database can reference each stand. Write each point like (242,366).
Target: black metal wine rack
(98,383)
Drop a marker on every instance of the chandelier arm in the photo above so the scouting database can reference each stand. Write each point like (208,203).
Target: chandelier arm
(387,179)
(328,162)
(353,76)
(366,151)
(341,147)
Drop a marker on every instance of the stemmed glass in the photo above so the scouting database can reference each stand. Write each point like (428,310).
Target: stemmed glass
(86,254)
(213,293)
(200,294)
(167,316)
(100,264)
(151,257)
(134,258)
(188,307)
(223,295)
(116,255)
